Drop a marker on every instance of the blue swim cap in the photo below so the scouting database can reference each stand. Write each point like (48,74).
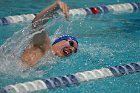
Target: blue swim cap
(65,37)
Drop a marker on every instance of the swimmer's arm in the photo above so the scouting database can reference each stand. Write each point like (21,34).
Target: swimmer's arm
(44,15)
(42,39)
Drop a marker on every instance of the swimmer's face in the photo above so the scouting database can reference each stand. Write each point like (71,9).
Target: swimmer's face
(65,48)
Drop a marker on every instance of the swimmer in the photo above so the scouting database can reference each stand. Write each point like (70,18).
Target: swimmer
(63,46)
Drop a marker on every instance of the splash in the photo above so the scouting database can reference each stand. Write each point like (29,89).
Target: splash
(12,49)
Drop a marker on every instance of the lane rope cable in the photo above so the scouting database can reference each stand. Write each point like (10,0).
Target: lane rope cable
(126,7)
(72,79)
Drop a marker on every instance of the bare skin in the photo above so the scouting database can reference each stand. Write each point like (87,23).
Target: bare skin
(41,42)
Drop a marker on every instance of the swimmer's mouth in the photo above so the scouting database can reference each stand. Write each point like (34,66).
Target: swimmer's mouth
(67,51)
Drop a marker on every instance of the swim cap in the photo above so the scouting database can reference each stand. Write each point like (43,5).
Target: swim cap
(65,37)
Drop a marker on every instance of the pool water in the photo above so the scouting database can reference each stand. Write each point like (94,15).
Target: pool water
(104,40)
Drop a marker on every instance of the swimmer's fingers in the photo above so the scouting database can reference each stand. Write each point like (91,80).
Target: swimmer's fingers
(64,8)
(66,11)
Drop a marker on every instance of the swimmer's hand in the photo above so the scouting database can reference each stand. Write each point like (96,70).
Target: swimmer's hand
(64,8)
(43,17)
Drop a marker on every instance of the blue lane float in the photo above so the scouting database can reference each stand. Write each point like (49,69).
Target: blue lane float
(70,80)
(126,7)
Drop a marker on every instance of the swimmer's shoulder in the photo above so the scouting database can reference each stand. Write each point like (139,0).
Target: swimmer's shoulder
(31,56)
